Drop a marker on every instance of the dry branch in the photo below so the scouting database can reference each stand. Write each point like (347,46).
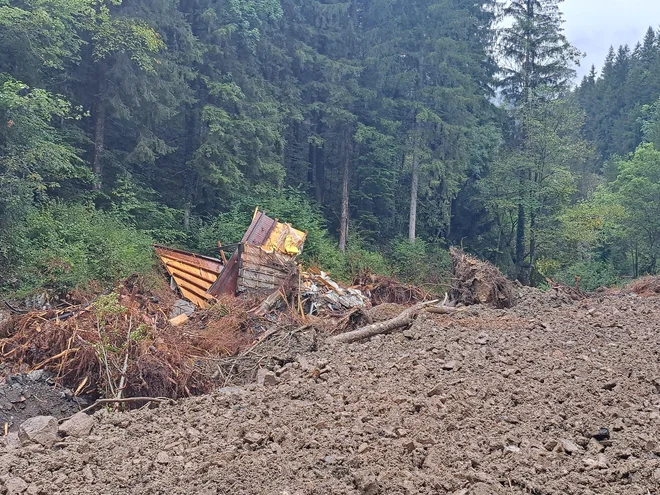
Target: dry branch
(402,320)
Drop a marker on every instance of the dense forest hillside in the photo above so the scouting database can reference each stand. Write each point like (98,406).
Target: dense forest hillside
(389,129)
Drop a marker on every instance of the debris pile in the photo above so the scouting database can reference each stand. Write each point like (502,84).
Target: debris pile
(119,345)
(387,290)
(645,286)
(256,309)
(322,294)
(479,282)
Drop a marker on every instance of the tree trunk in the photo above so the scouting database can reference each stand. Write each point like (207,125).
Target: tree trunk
(186,217)
(520,243)
(99,125)
(414,191)
(532,246)
(343,228)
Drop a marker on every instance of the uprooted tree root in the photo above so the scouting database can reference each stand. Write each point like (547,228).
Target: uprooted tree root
(479,282)
(122,345)
(381,290)
(645,286)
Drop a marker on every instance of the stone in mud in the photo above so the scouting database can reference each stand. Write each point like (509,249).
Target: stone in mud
(449,365)
(79,426)
(40,429)
(162,457)
(266,378)
(15,486)
(569,446)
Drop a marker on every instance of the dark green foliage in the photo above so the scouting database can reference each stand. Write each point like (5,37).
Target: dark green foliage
(592,275)
(364,122)
(59,247)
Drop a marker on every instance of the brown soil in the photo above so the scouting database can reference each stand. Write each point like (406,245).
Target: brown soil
(482,402)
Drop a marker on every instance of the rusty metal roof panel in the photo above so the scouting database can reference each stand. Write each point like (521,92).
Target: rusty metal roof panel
(259,230)
(194,274)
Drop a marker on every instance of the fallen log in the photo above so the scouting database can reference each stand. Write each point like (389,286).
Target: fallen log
(402,320)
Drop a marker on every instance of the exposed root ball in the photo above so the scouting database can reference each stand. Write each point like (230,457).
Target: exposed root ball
(382,290)
(479,282)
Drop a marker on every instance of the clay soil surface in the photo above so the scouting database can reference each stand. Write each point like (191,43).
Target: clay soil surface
(483,402)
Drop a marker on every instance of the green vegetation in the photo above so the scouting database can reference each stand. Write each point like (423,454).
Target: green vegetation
(388,129)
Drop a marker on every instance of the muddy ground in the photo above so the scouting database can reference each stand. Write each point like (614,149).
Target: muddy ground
(27,395)
(483,402)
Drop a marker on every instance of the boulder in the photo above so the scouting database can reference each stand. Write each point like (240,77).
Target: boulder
(266,378)
(79,425)
(15,486)
(40,429)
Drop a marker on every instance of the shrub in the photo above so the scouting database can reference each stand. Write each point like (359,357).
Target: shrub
(424,264)
(61,246)
(593,274)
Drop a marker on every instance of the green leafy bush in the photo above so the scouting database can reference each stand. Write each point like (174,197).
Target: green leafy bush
(593,274)
(61,246)
(424,264)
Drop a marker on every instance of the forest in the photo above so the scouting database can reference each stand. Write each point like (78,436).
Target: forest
(390,130)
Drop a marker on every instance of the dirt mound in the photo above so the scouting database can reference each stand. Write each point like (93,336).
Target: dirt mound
(486,401)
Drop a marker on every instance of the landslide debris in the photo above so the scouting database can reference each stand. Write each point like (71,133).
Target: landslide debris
(485,401)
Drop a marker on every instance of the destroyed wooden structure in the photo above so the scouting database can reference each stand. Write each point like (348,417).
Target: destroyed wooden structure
(263,262)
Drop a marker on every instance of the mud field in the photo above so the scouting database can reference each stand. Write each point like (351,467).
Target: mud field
(482,402)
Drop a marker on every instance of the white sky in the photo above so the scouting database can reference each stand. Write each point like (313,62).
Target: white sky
(593,25)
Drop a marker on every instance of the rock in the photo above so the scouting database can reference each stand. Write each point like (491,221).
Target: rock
(363,448)
(79,426)
(162,457)
(603,434)
(569,446)
(37,375)
(266,378)
(179,320)
(11,441)
(512,449)
(88,474)
(437,390)
(253,437)
(182,307)
(40,429)
(656,475)
(609,386)
(449,365)
(330,459)
(367,484)
(599,463)
(15,486)
(482,339)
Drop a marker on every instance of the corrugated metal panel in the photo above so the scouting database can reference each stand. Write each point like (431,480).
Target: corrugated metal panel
(194,274)
(226,282)
(259,229)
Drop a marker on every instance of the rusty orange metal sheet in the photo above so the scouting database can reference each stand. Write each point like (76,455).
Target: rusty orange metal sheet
(194,274)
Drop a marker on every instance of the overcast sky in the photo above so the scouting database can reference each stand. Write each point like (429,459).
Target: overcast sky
(594,25)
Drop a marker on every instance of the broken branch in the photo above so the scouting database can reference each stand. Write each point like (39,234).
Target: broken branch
(402,320)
